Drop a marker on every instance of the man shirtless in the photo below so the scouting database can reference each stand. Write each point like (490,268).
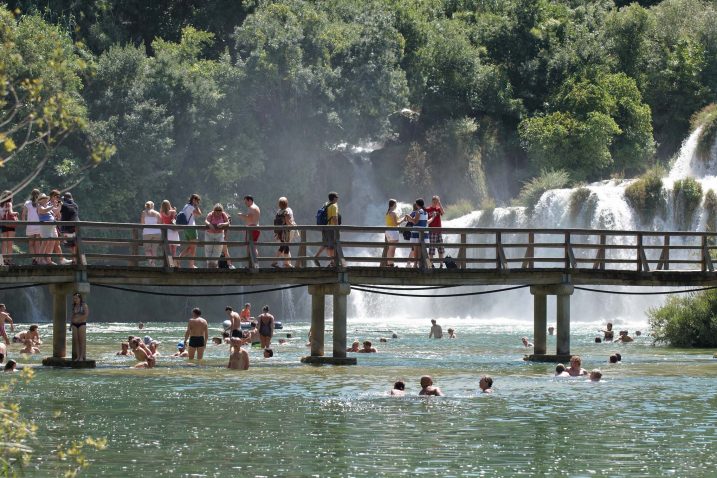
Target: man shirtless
(3,352)
(125,349)
(235,322)
(142,354)
(197,334)
(238,357)
(575,369)
(436,330)
(29,347)
(427,387)
(181,351)
(251,218)
(368,348)
(5,317)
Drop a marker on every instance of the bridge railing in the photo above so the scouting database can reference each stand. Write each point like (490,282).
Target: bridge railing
(113,244)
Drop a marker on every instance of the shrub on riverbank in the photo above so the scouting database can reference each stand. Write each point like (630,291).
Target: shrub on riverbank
(711,211)
(687,194)
(707,118)
(645,194)
(686,321)
(535,187)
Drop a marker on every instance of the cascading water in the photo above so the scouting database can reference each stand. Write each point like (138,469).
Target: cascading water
(603,206)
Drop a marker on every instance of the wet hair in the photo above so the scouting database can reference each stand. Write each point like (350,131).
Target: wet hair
(391,203)
(367,342)
(619,357)
(265,308)
(228,308)
(193,197)
(124,344)
(196,311)
(596,373)
(135,341)
(10,364)
(488,380)
(399,385)
(217,340)
(33,327)
(598,340)
(433,321)
(225,334)
(576,357)
(420,202)
(560,368)
(270,352)
(283,202)
(609,325)
(249,197)
(613,358)
(333,195)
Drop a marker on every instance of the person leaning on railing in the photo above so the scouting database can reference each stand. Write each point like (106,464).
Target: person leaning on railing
(217,222)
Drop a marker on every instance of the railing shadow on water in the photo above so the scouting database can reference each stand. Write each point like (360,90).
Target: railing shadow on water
(104,244)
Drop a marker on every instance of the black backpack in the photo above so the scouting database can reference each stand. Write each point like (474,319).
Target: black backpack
(450,263)
(280,220)
(182,219)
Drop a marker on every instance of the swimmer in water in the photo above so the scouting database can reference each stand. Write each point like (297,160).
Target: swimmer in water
(427,387)
(486,384)
(399,389)
(526,342)
(624,338)
(153,348)
(561,371)
(124,349)
(354,347)
(367,348)
(268,353)
(595,375)
(142,354)
(197,334)
(451,334)
(613,359)
(140,326)
(238,357)
(575,369)
(217,340)
(181,350)
(608,333)
(10,366)
(30,347)
(551,330)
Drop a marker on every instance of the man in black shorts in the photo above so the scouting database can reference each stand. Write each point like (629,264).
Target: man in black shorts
(235,318)
(197,335)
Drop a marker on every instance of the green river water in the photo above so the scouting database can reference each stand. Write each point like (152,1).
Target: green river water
(653,414)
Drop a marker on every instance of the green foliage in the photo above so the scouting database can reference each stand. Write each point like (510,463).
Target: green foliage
(686,321)
(645,194)
(578,198)
(711,211)
(458,209)
(687,197)
(535,187)
(706,118)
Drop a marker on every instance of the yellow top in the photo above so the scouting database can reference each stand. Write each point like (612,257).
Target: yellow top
(390,220)
(332,211)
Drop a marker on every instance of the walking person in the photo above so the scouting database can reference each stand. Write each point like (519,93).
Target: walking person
(151,217)
(392,236)
(78,324)
(217,221)
(435,211)
(284,217)
(266,327)
(8,230)
(189,212)
(251,218)
(328,236)
(29,214)
(168,216)
(69,212)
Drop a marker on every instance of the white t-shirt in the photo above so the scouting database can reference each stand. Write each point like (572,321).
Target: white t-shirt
(188,211)
(31,212)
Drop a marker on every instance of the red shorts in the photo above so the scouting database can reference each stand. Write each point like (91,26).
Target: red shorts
(255,234)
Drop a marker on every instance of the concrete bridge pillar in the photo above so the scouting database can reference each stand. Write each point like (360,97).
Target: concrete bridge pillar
(318,293)
(540,293)
(60,294)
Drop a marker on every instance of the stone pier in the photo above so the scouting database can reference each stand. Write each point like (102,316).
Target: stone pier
(318,293)
(61,293)
(562,293)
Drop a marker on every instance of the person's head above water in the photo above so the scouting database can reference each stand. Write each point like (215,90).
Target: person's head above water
(426,381)
(560,368)
(613,358)
(576,361)
(486,382)
(399,385)
(433,321)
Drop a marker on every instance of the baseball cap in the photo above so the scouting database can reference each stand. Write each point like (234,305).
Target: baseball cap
(180,344)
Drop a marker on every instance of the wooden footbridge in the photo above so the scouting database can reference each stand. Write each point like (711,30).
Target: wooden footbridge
(550,261)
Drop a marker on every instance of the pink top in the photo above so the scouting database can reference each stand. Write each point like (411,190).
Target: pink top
(216,219)
(168,218)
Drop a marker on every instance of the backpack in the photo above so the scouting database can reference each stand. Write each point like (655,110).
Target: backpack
(223,264)
(450,263)
(182,219)
(407,234)
(322,215)
(280,220)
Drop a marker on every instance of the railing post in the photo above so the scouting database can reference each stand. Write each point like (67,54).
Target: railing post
(134,247)
(301,263)
(642,264)
(462,251)
(567,250)
(422,248)
(339,262)
(529,260)
(599,263)
(80,258)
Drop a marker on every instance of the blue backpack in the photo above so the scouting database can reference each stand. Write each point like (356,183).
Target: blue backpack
(182,218)
(322,215)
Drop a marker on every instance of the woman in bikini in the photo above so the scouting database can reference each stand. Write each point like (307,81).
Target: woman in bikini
(78,324)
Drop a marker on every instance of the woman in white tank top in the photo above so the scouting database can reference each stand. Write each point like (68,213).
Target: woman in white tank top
(151,217)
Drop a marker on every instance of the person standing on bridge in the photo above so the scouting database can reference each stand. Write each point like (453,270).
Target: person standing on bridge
(251,218)
(392,236)
(420,222)
(197,334)
(168,214)
(29,214)
(150,235)
(435,211)
(217,222)
(328,236)
(190,212)
(69,212)
(436,330)
(284,217)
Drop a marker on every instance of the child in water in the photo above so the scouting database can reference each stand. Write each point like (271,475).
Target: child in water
(238,357)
